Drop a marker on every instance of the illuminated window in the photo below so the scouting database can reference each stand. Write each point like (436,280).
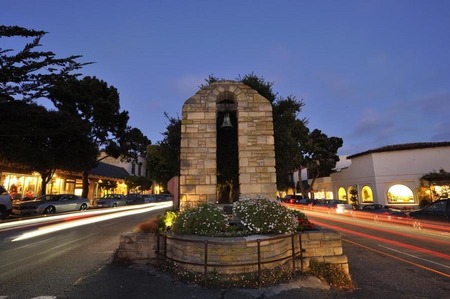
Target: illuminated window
(342,194)
(367,195)
(400,194)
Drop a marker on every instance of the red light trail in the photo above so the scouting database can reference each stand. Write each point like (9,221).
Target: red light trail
(383,240)
(399,258)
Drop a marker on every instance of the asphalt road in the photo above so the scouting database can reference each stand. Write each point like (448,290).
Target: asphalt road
(51,263)
(386,261)
(392,259)
(377,271)
(374,279)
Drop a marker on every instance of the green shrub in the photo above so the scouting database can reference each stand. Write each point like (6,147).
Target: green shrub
(332,274)
(204,220)
(161,223)
(258,215)
(263,215)
(167,220)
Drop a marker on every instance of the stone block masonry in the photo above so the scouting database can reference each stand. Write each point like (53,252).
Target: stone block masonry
(256,148)
(323,246)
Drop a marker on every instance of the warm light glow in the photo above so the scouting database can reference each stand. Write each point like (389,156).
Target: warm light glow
(10,180)
(400,193)
(169,219)
(367,195)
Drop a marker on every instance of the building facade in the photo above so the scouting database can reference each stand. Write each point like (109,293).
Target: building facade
(391,175)
(108,177)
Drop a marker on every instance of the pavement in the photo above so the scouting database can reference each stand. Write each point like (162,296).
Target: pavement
(374,278)
(145,281)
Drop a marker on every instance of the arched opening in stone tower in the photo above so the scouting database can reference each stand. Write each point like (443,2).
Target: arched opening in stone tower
(227,151)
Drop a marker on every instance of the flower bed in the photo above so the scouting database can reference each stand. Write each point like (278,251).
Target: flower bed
(236,256)
(267,238)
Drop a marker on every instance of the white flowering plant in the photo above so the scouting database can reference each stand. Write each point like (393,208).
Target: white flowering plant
(204,220)
(262,215)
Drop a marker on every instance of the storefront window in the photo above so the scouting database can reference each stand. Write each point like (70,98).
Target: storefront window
(70,186)
(20,185)
(400,194)
(55,186)
(367,195)
(342,194)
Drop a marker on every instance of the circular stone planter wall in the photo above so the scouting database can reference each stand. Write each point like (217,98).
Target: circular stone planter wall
(234,255)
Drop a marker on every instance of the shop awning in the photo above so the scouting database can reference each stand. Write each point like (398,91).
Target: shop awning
(104,170)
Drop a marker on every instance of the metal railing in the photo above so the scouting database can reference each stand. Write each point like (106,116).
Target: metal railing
(163,255)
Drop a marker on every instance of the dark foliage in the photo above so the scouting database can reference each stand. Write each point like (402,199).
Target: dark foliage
(163,159)
(98,106)
(88,119)
(44,140)
(27,74)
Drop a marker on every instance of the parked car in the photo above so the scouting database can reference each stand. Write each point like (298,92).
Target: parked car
(306,201)
(292,199)
(341,208)
(157,197)
(111,201)
(134,199)
(384,210)
(334,205)
(436,211)
(5,203)
(373,207)
(378,213)
(50,204)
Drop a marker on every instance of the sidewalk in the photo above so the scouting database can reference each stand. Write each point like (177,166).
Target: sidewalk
(143,281)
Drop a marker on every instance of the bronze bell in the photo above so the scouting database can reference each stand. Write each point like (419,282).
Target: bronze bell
(226,122)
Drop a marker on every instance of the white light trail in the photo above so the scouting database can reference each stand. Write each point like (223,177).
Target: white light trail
(414,256)
(54,218)
(61,226)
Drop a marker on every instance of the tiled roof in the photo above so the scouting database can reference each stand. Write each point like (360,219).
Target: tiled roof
(402,147)
(108,170)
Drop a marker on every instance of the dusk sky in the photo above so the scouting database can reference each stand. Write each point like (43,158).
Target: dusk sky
(374,73)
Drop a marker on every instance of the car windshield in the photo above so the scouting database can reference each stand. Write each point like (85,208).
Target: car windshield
(437,207)
(48,198)
(111,196)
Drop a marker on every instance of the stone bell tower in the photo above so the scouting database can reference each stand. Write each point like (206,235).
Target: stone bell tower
(227,145)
